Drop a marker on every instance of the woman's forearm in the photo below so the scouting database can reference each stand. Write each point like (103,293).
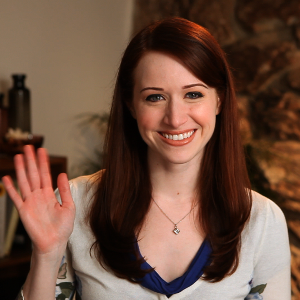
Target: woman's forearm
(41,279)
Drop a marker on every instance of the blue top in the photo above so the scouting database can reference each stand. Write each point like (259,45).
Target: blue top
(154,282)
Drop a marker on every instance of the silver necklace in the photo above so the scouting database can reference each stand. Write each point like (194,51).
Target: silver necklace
(176,229)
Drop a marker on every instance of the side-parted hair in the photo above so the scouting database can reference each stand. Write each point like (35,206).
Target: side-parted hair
(123,191)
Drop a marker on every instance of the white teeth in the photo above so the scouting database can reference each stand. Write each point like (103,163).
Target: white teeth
(179,137)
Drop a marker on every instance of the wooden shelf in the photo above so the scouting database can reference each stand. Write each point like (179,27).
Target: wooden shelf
(17,264)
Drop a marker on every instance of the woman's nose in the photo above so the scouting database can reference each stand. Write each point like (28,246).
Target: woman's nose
(175,114)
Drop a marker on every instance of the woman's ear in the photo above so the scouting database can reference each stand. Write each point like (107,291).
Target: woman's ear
(131,109)
(218,109)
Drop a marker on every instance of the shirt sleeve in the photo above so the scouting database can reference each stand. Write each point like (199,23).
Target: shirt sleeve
(272,272)
(66,280)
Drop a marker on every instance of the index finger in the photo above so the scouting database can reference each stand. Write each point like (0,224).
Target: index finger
(12,192)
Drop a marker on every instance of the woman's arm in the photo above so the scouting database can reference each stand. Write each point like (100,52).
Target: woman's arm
(47,222)
(272,273)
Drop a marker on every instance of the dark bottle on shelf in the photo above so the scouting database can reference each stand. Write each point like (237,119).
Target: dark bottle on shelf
(3,118)
(19,104)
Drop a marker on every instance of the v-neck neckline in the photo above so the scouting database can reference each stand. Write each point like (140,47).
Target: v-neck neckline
(156,283)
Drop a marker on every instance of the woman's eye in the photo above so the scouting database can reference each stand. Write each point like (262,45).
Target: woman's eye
(194,95)
(154,98)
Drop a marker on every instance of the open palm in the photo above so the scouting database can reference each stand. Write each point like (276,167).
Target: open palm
(47,222)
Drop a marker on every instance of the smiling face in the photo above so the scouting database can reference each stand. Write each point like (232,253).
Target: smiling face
(175,111)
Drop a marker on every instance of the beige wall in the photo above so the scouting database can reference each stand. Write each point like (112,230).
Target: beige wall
(70,51)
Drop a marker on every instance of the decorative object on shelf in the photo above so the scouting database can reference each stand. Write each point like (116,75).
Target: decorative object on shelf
(17,132)
(3,119)
(19,104)
(16,139)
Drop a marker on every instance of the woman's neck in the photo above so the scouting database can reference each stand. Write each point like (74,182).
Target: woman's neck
(173,182)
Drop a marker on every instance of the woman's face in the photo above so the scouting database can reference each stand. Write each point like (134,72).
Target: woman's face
(175,111)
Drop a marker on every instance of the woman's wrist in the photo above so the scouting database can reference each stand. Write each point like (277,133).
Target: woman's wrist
(54,257)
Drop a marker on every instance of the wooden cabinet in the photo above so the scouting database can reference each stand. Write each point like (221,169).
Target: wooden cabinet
(14,268)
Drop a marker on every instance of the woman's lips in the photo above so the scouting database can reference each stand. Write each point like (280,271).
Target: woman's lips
(178,138)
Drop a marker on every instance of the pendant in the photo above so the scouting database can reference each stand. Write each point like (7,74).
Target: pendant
(176,230)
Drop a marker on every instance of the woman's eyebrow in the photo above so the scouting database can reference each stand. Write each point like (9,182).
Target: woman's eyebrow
(194,84)
(184,87)
(152,88)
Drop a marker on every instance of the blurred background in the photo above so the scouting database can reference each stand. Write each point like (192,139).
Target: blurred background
(70,51)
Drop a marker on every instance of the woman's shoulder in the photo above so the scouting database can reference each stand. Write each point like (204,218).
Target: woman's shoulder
(86,181)
(265,209)
(84,187)
(266,217)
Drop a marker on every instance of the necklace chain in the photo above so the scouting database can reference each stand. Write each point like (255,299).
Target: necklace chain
(175,230)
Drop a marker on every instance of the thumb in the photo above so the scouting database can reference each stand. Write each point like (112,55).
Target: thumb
(64,189)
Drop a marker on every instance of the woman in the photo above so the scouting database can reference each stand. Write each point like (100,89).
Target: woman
(172,215)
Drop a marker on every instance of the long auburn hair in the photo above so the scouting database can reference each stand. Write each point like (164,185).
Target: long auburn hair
(123,191)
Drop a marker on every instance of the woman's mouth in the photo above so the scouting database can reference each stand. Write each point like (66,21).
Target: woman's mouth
(178,137)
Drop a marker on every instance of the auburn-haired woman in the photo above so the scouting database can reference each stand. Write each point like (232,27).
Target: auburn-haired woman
(172,213)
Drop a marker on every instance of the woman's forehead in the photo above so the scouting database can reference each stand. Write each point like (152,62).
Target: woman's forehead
(156,68)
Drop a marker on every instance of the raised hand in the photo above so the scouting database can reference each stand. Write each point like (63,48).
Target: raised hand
(47,223)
